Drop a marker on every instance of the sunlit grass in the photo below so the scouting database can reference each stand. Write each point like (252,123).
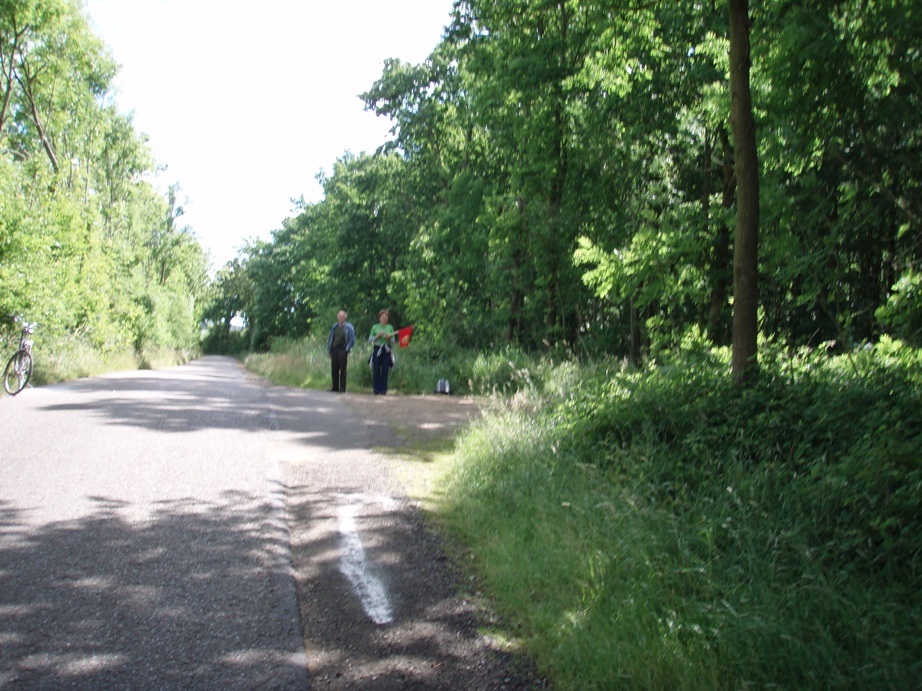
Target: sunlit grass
(660,531)
(297,363)
(508,374)
(68,358)
(421,478)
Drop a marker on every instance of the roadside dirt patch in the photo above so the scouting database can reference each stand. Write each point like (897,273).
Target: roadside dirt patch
(400,421)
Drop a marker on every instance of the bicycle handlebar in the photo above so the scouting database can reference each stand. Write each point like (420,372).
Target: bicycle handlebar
(28,327)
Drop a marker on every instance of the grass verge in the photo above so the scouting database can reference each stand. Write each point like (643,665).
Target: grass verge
(66,358)
(663,530)
(666,530)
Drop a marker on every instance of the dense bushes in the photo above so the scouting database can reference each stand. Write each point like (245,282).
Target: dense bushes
(663,529)
(64,357)
(506,374)
(666,529)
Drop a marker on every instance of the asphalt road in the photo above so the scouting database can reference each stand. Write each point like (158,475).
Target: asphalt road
(143,535)
(197,528)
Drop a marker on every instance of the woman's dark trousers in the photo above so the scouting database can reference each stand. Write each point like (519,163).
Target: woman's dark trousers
(380,367)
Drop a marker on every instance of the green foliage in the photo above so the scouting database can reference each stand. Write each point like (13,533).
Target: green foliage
(508,373)
(664,529)
(69,356)
(88,248)
(302,363)
(902,313)
(561,179)
(219,342)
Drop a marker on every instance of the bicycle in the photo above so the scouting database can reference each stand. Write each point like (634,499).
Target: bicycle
(19,368)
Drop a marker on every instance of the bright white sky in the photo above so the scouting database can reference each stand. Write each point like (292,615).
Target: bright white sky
(245,101)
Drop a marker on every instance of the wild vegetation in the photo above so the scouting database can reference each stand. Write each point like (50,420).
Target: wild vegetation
(663,529)
(678,244)
(566,212)
(89,248)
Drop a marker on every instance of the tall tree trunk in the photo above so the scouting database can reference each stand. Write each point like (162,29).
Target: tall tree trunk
(558,182)
(719,328)
(517,297)
(8,63)
(515,303)
(746,238)
(25,81)
(635,353)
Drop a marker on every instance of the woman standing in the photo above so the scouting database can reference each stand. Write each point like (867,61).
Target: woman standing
(382,340)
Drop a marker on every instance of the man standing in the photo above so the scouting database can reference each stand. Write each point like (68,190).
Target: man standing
(340,342)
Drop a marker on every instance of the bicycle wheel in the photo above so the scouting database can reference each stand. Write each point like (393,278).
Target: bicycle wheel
(17,373)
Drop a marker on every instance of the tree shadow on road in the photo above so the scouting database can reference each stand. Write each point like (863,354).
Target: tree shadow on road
(104,602)
(217,394)
(193,399)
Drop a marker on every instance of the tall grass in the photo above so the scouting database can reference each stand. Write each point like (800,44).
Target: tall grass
(294,363)
(65,357)
(664,530)
(503,375)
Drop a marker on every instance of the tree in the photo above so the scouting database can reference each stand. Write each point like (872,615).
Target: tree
(81,228)
(571,172)
(746,236)
(52,69)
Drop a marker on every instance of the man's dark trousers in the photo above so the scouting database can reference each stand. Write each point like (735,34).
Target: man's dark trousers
(339,358)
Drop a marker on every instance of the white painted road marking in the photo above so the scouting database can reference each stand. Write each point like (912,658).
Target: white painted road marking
(356,568)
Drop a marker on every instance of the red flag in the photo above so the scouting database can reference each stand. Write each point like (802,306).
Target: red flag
(404,335)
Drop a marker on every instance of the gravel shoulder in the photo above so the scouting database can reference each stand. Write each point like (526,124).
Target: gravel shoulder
(382,603)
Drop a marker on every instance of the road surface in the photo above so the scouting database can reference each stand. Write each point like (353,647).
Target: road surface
(194,527)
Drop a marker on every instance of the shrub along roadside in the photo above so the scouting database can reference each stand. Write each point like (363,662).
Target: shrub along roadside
(663,529)
(666,530)
(65,357)
(306,364)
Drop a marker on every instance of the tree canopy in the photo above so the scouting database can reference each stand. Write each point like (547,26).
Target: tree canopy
(575,176)
(88,245)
